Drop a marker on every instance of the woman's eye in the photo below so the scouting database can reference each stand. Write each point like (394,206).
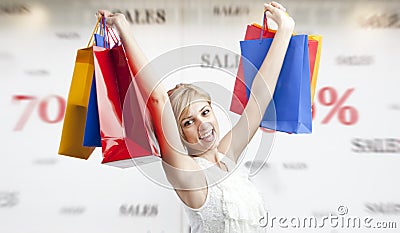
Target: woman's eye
(187,123)
(205,112)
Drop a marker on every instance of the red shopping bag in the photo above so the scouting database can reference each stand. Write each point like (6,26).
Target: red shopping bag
(253,32)
(113,79)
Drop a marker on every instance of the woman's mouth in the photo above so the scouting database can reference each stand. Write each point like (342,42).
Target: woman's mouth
(208,136)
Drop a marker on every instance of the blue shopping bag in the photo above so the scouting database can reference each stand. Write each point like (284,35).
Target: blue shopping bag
(290,109)
(92,128)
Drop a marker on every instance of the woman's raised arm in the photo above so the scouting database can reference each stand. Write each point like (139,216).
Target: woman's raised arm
(263,85)
(172,150)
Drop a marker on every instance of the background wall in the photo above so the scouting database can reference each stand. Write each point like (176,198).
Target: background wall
(352,160)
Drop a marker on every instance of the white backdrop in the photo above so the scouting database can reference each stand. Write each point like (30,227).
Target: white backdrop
(355,165)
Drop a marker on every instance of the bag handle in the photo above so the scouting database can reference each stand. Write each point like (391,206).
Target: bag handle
(108,33)
(265,25)
(91,40)
(105,35)
(112,35)
(104,31)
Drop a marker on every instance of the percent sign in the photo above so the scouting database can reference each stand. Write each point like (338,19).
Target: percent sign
(43,111)
(328,96)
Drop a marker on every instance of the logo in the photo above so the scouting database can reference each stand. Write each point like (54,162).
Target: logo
(67,35)
(72,210)
(375,145)
(45,161)
(38,72)
(139,210)
(322,213)
(394,107)
(230,10)
(225,61)
(256,163)
(8,199)
(144,16)
(295,166)
(15,9)
(355,60)
(381,20)
(389,208)
(5,56)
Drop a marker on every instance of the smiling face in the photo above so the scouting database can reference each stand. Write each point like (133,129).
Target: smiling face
(195,118)
(199,127)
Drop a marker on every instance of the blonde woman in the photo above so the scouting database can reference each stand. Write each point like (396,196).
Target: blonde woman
(194,154)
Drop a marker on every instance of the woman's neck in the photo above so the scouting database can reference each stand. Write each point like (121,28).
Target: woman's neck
(212,156)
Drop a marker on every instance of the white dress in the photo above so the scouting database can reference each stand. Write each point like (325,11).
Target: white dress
(232,205)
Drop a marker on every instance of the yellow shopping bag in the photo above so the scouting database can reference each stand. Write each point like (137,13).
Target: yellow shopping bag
(77,104)
(315,65)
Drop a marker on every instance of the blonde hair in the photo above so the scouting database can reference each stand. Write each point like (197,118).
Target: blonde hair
(182,96)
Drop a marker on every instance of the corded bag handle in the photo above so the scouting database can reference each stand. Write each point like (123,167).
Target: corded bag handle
(96,27)
(104,31)
(265,26)
(113,36)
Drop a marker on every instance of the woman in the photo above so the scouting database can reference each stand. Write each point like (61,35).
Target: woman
(194,158)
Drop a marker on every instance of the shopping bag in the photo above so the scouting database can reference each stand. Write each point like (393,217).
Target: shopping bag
(239,97)
(92,128)
(314,48)
(125,143)
(140,137)
(290,108)
(77,105)
(254,31)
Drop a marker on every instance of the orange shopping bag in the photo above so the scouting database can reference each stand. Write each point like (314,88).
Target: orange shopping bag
(71,143)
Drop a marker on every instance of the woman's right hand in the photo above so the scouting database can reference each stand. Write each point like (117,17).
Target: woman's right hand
(115,20)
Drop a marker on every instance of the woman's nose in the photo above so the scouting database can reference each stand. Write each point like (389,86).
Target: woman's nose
(205,126)
(201,120)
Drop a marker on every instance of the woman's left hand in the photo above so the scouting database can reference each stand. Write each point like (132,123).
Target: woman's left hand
(277,13)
